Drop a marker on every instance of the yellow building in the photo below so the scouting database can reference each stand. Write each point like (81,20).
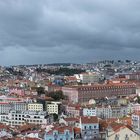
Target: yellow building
(122,101)
(35,107)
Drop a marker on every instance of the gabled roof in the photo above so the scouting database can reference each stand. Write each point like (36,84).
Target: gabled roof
(89,120)
(60,129)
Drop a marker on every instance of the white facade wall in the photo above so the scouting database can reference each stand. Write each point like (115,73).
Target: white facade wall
(104,112)
(31,117)
(89,112)
(136,122)
(4,108)
(90,78)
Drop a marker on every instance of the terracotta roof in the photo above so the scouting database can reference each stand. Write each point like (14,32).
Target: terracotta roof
(87,120)
(76,106)
(2,126)
(116,126)
(61,129)
(110,120)
(101,86)
(77,130)
(71,119)
(26,127)
(137,113)
(103,125)
(127,121)
(71,78)
(32,139)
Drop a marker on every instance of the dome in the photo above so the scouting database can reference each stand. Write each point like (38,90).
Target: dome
(92,101)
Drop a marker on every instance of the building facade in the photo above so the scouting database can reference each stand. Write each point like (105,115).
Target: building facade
(31,117)
(89,112)
(83,94)
(89,127)
(35,107)
(60,133)
(52,107)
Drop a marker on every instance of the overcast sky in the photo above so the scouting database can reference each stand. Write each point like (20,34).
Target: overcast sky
(48,31)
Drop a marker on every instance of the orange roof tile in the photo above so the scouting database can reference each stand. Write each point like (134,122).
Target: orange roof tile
(87,120)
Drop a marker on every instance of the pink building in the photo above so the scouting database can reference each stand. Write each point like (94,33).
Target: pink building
(17,91)
(73,110)
(136,107)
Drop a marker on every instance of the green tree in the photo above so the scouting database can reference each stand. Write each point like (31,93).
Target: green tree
(40,90)
(138,98)
(55,117)
(58,95)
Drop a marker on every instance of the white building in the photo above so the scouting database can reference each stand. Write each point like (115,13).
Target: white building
(31,117)
(4,107)
(3,118)
(89,127)
(89,112)
(88,77)
(19,106)
(136,121)
(104,112)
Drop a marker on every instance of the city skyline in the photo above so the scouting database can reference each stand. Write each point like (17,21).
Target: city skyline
(48,31)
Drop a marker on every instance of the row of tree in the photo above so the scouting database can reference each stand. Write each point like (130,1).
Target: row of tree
(61,71)
(57,95)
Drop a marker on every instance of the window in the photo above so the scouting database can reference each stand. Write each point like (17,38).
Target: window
(116,137)
(95,126)
(126,137)
(85,133)
(90,127)
(85,127)
(67,132)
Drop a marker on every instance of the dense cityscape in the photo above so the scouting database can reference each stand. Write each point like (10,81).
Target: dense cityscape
(99,100)
(69,70)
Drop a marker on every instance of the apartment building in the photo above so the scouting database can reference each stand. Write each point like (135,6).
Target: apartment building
(89,127)
(35,107)
(104,112)
(52,107)
(22,117)
(89,112)
(60,133)
(136,121)
(73,110)
(4,107)
(83,94)
(89,77)
(19,106)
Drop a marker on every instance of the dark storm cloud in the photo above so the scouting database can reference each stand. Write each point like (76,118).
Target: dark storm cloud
(52,27)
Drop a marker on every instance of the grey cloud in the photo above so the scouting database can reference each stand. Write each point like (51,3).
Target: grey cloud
(55,27)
